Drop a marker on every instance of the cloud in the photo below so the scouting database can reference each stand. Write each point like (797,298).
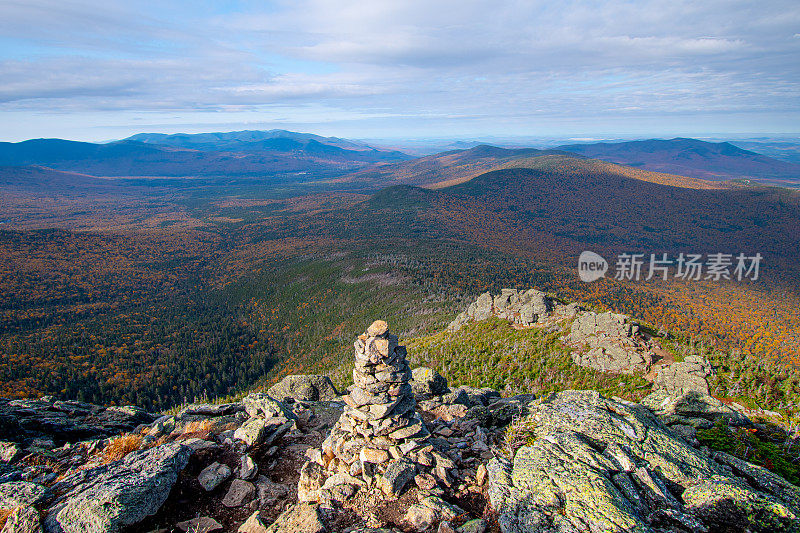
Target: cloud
(518,61)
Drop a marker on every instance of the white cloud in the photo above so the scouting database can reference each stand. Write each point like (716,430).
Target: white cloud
(450,61)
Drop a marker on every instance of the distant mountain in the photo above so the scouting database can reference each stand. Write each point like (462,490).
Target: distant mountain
(562,209)
(784,150)
(246,140)
(460,166)
(136,158)
(690,157)
(445,168)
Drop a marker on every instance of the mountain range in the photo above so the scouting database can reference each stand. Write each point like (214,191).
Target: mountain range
(690,157)
(137,158)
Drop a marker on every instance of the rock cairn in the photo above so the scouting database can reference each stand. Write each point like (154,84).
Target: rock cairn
(380,432)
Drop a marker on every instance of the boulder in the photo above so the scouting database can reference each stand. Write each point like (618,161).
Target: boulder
(119,494)
(687,376)
(428,382)
(306,388)
(609,342)
(239,493)
(263,405)
(420,518)
(21,493)
(521,307)
(261,431)
(596,464)
(213,476)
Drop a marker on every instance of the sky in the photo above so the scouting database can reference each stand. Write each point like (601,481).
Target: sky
(104,69)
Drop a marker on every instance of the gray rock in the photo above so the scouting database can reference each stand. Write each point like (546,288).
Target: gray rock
(213,476)
(248,469)
(609,342)
(687,376)
(23,519)
(306,388)
(262,431)
(20,493)
(239,493)
(263,405)
(601,465)
(269,492)
(426,381)
(398,474)
(119,494)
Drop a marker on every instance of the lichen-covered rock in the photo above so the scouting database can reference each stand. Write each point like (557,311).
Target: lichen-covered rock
(65,421)
(596,464)
(23,519)
(264,431)
(307,388)
(428,382)
(263,405)
(201,524)
(686,376)
(119,494)
(256,523)
(609,342)
(521,307)
(19,493)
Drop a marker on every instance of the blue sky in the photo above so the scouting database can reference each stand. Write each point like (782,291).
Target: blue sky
(98,70)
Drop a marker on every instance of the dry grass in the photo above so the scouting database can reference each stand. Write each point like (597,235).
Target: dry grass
(518,434)
(4,514)
(120,447)
(198,429)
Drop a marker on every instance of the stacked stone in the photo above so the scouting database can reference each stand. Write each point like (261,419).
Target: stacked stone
(380,424)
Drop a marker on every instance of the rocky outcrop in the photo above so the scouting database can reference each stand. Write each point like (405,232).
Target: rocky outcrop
(595,464)
(688,375)
(609,342)
(50,420)
(108,497)
(525,308)
(307,388)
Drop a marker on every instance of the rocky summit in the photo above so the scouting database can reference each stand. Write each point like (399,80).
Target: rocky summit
(402,451)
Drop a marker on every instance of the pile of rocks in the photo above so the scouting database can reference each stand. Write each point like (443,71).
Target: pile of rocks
(520,307)
(380,436)
(610,342)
